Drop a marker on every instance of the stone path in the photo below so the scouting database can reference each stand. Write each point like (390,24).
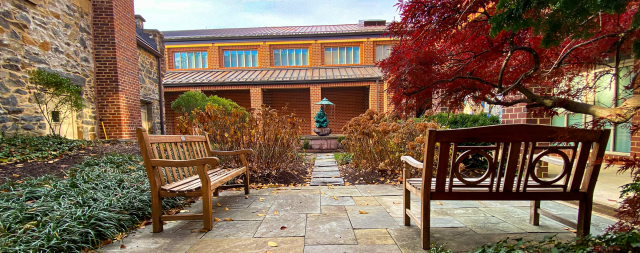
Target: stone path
(328,219)
(325,171)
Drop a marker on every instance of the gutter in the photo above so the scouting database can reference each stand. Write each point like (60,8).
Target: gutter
(276,82)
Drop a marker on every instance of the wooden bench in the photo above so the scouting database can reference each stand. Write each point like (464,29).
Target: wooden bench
(182,166)
(512,156)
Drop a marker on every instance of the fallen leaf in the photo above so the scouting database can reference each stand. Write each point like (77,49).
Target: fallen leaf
(184,211)
(573,230)
(216,219)
(16,175)
(123,247)
(228,219)
(347,184)
(226,209)
(19,165)
(438,202)
(330,187)
(64,166)
(272,244)
(363,212)
(334,197)
(218,204)
(261,214)
(131,167)
(268,251)
(565,228)
(203,230)
(397,203)
(246,197)
(283,228)
(19,182)
(261,199)
(275,212)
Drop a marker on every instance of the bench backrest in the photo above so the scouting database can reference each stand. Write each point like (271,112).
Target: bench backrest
(171,147)
(512,156)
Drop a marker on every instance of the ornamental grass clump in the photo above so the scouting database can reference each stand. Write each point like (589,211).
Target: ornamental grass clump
(377,141)
(19,148)
(272,134)
(96,201)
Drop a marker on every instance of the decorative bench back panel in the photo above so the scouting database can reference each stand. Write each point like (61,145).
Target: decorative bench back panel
(512,155)
(177,147)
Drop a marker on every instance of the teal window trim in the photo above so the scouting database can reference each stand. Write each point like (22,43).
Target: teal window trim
(190,60)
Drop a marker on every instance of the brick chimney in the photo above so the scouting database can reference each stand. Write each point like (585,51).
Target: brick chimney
(116,68)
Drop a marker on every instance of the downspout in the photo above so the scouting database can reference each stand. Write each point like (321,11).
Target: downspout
(377,97)
(161,95)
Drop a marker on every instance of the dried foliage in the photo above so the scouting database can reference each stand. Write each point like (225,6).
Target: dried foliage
(272,134)
(377,141)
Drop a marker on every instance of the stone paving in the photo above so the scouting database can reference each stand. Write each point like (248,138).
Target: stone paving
(325,171)
(309,219)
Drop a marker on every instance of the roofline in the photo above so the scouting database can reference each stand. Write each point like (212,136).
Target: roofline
(273,68)
(274,82)
(152,50)
(298,35)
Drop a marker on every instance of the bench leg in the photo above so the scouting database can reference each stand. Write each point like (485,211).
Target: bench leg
(584,217)
(246,182)
(207,211)
(534,215)
(216,193)
(406,196)
(156,213)
(425,216)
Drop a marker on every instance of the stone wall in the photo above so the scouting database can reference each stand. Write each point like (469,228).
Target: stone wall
(149,80)
(54,35)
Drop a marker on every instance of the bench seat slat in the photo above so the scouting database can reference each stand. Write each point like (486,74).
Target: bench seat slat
(193,183)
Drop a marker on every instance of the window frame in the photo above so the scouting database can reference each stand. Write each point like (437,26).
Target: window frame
(204,58)
(296,56)
(247,54)
(337,55)
(382,45)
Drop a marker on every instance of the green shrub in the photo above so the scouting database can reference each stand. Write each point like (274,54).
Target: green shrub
(191,100)
(97,200)
(455,121)
(343,158)
(619,242)
(20,148)
(306,144)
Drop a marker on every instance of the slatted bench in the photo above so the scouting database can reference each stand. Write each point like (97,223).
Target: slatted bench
(514,152)
(185,166)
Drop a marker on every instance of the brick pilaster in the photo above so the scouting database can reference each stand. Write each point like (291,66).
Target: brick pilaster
(256,97)
(518,114)
(264,56)
(315,95)
(368,52)
(375,94)
(116,71)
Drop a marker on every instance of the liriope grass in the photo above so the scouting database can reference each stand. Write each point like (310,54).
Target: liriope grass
(97,200)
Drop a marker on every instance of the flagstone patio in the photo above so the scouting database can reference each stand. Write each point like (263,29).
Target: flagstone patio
(309,219)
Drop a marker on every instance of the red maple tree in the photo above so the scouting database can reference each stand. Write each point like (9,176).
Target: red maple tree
(547,54)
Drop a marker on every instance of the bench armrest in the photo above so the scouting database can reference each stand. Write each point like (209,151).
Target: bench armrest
(213,161)
(234,152)
(413,162)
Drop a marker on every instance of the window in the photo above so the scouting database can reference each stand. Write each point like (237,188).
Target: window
(243,58)
(291,57)
(341,55)
(147,116)
(382,52)
(190,60)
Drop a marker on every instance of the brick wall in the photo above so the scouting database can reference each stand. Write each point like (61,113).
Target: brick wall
(241,97)
(170,114)
(116,67)
(518,114)
(296,100)
(349,103)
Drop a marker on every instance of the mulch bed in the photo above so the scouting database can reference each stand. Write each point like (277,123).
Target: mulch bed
(56,167)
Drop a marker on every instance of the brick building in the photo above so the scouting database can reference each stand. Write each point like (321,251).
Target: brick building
(293,66)
(99,45)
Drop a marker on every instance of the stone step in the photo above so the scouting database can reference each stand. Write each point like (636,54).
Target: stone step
(326,174)
(325,169)
(325,181)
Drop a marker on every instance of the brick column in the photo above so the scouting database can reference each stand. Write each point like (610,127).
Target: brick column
(368,53)
(116,71)
(374,97)
(518,114)
(256,97)
(316,54)
(214,57)
(315,95)
(388,96)
(264,56)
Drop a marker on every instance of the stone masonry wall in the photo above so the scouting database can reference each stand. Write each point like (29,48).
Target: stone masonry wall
(54,35)
(149,91)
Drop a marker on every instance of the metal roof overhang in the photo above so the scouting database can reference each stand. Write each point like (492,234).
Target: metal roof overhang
(258,37)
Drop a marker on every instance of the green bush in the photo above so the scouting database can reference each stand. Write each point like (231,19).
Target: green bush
(306,144)
(455,121)
(343,158)
(20,148)
(619,242)
(191,100)
(97,200)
